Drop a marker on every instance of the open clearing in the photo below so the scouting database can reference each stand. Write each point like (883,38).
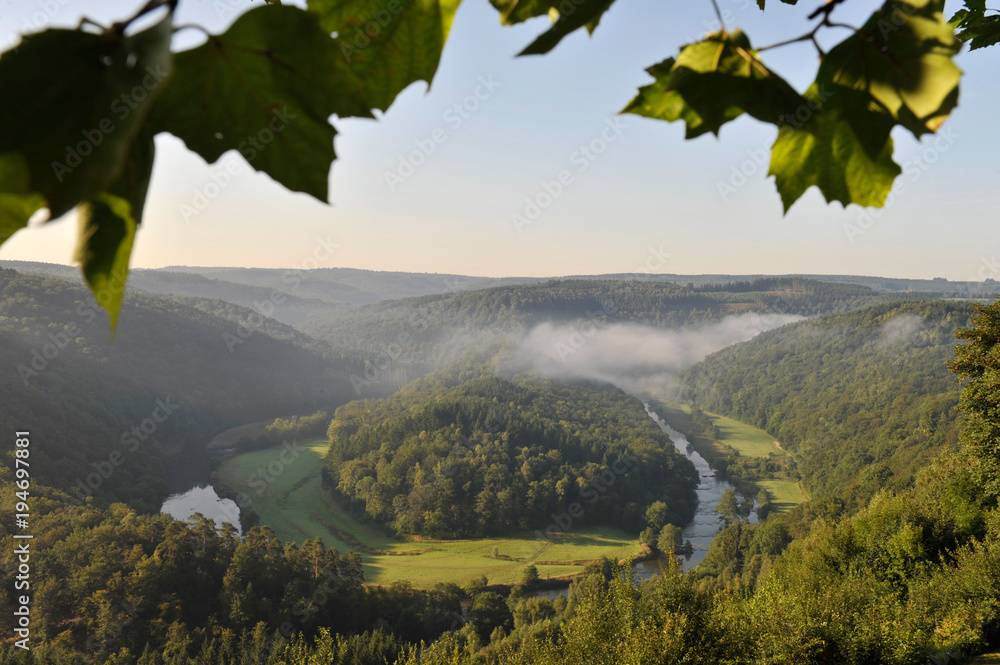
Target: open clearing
(785,494)
(752,442)
(285,491)
(746,440)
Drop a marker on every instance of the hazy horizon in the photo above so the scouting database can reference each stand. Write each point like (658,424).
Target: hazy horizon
(647,192)
(167,268)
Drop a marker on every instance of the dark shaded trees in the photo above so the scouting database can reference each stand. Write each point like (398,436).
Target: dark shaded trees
(978,362)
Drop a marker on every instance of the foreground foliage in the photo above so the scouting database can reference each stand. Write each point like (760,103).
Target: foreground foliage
(977,362)
(267,86)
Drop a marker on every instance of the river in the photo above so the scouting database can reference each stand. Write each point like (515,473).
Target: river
(706,522)
(204,500)
(702,529)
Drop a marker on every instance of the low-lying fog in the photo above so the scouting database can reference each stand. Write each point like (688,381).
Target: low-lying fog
(639,359)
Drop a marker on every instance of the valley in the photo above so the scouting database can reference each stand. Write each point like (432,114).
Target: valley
(478,467)
(430,332)
(280,487)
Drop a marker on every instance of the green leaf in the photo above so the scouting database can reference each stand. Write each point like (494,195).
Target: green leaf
(957,19)
(825,152)
(585,13)
(108,225)
(973,26)
(388,43)
(980,31)
(72,103)
(902,57)
(517,11)
(266,87)
(713,82)
(513,12)
(660,102)
(17,202)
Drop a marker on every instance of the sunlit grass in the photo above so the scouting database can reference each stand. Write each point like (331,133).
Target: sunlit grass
(785,494)
(751,442)
(285,491)
(746,440)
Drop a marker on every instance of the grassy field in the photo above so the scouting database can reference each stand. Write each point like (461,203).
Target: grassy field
(284,490)
(785,494)
(742,438)
(753,442)
(746,440)
(988,659)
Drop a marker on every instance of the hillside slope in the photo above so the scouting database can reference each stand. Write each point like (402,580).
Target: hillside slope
(861,399)
(175,372)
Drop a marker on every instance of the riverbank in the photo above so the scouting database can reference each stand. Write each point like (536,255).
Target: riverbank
(748,458)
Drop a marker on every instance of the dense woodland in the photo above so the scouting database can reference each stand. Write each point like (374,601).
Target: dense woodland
(863,400)
(463,452)
(112,585)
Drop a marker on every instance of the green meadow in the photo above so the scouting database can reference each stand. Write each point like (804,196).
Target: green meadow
(743,438)
(785,494)
(284,489)
(753,442)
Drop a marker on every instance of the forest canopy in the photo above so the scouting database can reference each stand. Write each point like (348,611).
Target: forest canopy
(862,400)
(463,452)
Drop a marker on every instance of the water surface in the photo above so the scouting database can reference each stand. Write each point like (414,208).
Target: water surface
(706,523)
(203,500)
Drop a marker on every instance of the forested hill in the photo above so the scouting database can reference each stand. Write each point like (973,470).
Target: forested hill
(463,452)
(82,393)
(336,286)
(357,286)
(281,296)
(432,329)
(861,399)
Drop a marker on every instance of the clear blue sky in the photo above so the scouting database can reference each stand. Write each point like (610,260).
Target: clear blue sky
(649,191)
